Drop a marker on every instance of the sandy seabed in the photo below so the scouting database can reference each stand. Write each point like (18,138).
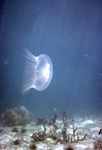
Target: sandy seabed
(20,137)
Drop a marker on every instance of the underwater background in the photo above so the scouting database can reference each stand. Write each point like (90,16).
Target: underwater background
(70,33)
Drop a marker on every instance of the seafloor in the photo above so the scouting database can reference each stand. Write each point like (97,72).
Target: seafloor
(21,137)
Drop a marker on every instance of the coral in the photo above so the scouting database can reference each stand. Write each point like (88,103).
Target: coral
(23,130)
(98,144)
(16,116)
(15,130)
(100,132)
(64,130)
(69,148)
(39,136)
(54,117)
(64,116)
(42,121)
(67,138)
(33,146)
(71,138)
(17,142)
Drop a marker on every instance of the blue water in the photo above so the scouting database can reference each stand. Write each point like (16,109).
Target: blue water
(70,33)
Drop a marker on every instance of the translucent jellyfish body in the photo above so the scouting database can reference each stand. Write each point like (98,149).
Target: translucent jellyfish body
(38,72)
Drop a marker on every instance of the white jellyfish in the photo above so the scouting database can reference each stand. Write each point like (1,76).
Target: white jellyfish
(38,72)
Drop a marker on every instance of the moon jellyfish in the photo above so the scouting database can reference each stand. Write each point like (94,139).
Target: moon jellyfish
(38,72)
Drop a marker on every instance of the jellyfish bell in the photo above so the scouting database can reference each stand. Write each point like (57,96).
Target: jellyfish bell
(38,72)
